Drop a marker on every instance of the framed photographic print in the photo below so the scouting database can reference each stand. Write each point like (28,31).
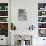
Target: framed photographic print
(22,15)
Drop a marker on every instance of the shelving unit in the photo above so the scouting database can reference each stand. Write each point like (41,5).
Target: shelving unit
(42,19)
(4,19)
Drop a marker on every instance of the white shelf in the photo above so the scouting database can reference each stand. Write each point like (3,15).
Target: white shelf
(41,28)
(3,16)
(42,16)
(41,22)
(3,10)
(3,22)
(41,10)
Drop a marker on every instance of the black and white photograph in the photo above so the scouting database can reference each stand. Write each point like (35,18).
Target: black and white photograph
(22,16)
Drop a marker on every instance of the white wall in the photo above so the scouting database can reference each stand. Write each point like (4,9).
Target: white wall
(31,7)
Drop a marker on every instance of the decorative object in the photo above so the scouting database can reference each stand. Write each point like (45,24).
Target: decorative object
(4,29)
(42,25)
(3,6)
(31,27)
(43,13)
(22,43)
(41,19)
(27,38)
(41,6)
(3,19)
(0,7)
(42,32)
(13,27)
(3,13)
(6,7)
(23,40)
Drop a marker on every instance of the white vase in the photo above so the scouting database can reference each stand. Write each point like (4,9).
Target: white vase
(22,43)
